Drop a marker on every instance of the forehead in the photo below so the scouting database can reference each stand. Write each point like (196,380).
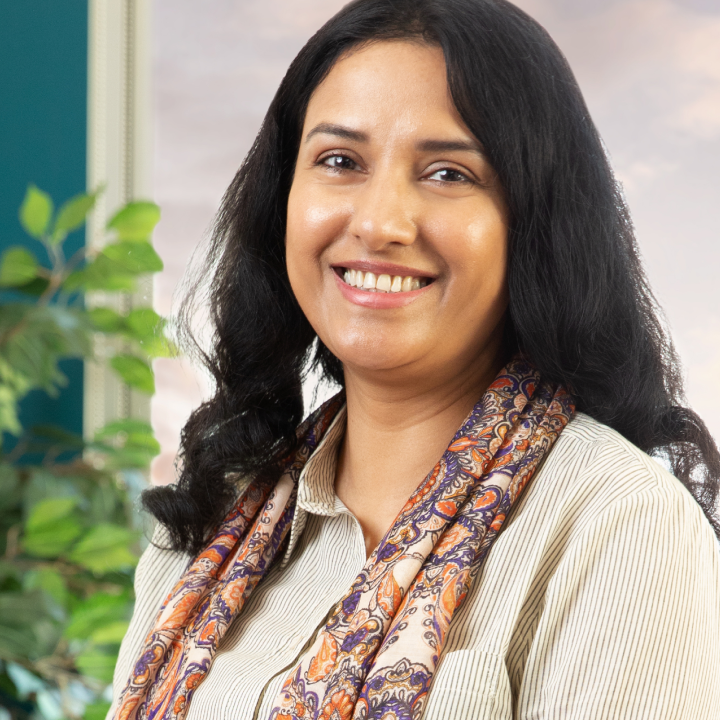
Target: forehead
(398,84)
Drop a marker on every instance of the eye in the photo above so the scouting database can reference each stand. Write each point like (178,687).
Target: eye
(449,175)
(338,162)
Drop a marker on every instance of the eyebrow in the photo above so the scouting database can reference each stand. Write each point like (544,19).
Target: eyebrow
(451,146)
(347,133)
(338,131)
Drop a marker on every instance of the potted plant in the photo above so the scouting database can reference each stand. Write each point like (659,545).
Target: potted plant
(69,535)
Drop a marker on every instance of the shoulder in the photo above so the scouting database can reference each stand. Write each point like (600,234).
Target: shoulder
(159,568)
(600,502)
(618,584)
(592,471)
(605,577)
(601,452)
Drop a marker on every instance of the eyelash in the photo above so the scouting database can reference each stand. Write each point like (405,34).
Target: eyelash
(323,161)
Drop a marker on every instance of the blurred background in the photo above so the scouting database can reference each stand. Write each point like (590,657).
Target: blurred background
(160,100)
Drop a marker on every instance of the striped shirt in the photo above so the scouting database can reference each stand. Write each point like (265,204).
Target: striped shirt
(599,599)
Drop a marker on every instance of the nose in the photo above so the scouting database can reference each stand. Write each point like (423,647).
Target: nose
(384,211)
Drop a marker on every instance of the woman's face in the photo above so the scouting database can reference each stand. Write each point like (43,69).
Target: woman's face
(392,192)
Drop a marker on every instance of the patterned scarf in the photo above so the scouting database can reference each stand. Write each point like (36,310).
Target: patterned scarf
(376,656)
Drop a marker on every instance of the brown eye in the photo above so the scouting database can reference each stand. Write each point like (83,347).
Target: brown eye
(339,162)
(449,175)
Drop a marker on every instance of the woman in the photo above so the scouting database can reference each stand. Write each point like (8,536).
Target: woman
(472,528)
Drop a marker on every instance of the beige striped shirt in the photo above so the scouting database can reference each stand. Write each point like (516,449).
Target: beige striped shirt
(599,599)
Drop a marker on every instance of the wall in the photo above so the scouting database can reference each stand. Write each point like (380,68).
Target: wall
(43,96)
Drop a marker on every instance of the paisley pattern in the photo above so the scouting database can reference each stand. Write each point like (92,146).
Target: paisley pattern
(376,656)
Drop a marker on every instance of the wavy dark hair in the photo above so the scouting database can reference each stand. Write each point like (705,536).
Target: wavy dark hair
(580,307)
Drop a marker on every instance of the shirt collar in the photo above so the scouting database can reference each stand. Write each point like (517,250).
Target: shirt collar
(316,485)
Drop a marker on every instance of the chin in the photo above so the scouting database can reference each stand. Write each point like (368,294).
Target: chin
(364,357)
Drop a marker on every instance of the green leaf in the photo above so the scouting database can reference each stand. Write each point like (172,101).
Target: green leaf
(98,664)
(8,570)
(49,333)
(95,277)
(52,540)
(106,320)
(49,511)
(97,710)
(23,617)
(72,215)
(136,220)
(16,638)
(135,372)
(10,491)
(50,528)
(144,323)
(19,267)
(48,580)
(44,485)
(127,444)
(115,267)
(148,328)
(35,211)
(126,425)
(112,633)
(9,421)
(34,288)
(105,548)
(98,611)
(132,257)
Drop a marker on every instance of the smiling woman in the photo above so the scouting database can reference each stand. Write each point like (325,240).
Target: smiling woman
(390,183)
(471,528)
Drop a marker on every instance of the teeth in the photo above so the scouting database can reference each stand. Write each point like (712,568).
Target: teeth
(369,282)
(382,283)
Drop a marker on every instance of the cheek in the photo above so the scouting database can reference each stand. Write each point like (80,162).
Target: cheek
(314,220)
(475,245)
(488,248)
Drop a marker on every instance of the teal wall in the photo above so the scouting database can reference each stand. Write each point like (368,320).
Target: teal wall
(43,131)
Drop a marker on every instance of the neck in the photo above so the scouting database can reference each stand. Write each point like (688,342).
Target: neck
(396,433)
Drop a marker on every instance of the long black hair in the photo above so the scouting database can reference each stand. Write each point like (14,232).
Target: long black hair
(580,307)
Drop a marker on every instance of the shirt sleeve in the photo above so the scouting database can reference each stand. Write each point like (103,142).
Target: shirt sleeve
(631,623)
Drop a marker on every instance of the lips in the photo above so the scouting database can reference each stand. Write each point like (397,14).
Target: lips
(382,277)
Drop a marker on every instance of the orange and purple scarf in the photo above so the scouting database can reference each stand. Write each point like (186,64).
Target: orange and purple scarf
(376,656)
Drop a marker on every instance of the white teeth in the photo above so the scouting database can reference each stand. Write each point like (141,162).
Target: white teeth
(383,283)
(369,282)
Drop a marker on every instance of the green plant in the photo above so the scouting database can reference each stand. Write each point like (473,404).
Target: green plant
(69,540)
